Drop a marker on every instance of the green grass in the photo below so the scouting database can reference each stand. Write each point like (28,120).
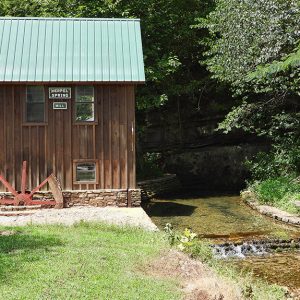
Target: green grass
(96,261)
(280,192)
(86,261)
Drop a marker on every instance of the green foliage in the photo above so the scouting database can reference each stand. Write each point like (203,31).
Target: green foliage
(263,166)
(240,117)
(254,47)
(171,234)
(289,62)
(280,75)
(281,129)
(149,166)
(281,192)
(283,159)
(202,250)
(246,34)
(274,189)
(36,8)
(185,241)
(246,40)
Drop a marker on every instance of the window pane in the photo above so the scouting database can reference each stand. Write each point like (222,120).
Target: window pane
(35,107)
(35,94)
(35,112)
(86,172)
(85,112)
(84,94)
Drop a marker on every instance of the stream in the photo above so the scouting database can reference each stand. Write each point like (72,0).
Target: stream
(240,234)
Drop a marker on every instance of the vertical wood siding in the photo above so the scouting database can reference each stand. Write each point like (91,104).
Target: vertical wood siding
(52,147)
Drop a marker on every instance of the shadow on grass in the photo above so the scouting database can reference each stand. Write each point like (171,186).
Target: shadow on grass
(21,241)
(21,248)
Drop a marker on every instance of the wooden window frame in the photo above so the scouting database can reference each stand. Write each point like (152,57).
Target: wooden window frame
(75,122)
(77,161)
(24,106)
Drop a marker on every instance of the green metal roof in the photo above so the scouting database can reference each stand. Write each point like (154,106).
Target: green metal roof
(80,50)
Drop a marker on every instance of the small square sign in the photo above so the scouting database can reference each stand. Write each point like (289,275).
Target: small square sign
(60,105)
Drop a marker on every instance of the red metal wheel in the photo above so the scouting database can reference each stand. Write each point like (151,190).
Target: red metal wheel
(23,197)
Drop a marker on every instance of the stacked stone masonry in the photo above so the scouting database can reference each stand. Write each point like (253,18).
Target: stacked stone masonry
(93,197)
(146,189)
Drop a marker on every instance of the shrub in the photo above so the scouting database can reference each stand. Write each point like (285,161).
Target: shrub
(283,160)
(274,189)
(281,192)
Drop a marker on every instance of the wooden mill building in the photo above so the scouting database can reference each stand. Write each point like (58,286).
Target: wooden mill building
(67,105)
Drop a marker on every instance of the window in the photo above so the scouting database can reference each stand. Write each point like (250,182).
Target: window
(84,104)
(35,104)
(85,171)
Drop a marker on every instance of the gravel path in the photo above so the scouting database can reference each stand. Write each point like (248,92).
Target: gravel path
(113,215)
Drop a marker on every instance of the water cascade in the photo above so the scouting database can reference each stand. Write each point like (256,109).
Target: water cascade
(256,247)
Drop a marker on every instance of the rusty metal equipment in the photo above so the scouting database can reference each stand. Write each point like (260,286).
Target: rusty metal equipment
(26,197)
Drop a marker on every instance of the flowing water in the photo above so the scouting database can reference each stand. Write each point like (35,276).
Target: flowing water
(237,230)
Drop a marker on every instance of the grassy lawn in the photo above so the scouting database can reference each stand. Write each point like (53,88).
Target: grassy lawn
(81,262)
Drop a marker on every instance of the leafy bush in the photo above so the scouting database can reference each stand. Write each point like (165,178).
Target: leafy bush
(283,159)
(281,192)
(274,189)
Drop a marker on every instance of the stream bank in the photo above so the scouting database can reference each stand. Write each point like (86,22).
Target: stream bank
(227,219)
(270,211)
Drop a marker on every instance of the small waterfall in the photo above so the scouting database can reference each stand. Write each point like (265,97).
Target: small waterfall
(241,250)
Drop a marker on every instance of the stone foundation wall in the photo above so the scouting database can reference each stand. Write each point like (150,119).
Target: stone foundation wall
(165,185)
(93,197)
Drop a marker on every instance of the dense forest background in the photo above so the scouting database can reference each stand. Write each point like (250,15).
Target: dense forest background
(221,99)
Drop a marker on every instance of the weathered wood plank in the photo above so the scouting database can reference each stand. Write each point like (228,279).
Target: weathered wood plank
(67,148)
(99,136)
(131,136)
(52,147)
(107,139)
(115,137)
(9,124)
(123,139)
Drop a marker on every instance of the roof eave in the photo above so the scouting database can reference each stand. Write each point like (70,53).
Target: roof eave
(70,82)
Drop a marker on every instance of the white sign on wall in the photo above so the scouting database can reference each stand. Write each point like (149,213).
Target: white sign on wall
(60,93)
(60,105)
